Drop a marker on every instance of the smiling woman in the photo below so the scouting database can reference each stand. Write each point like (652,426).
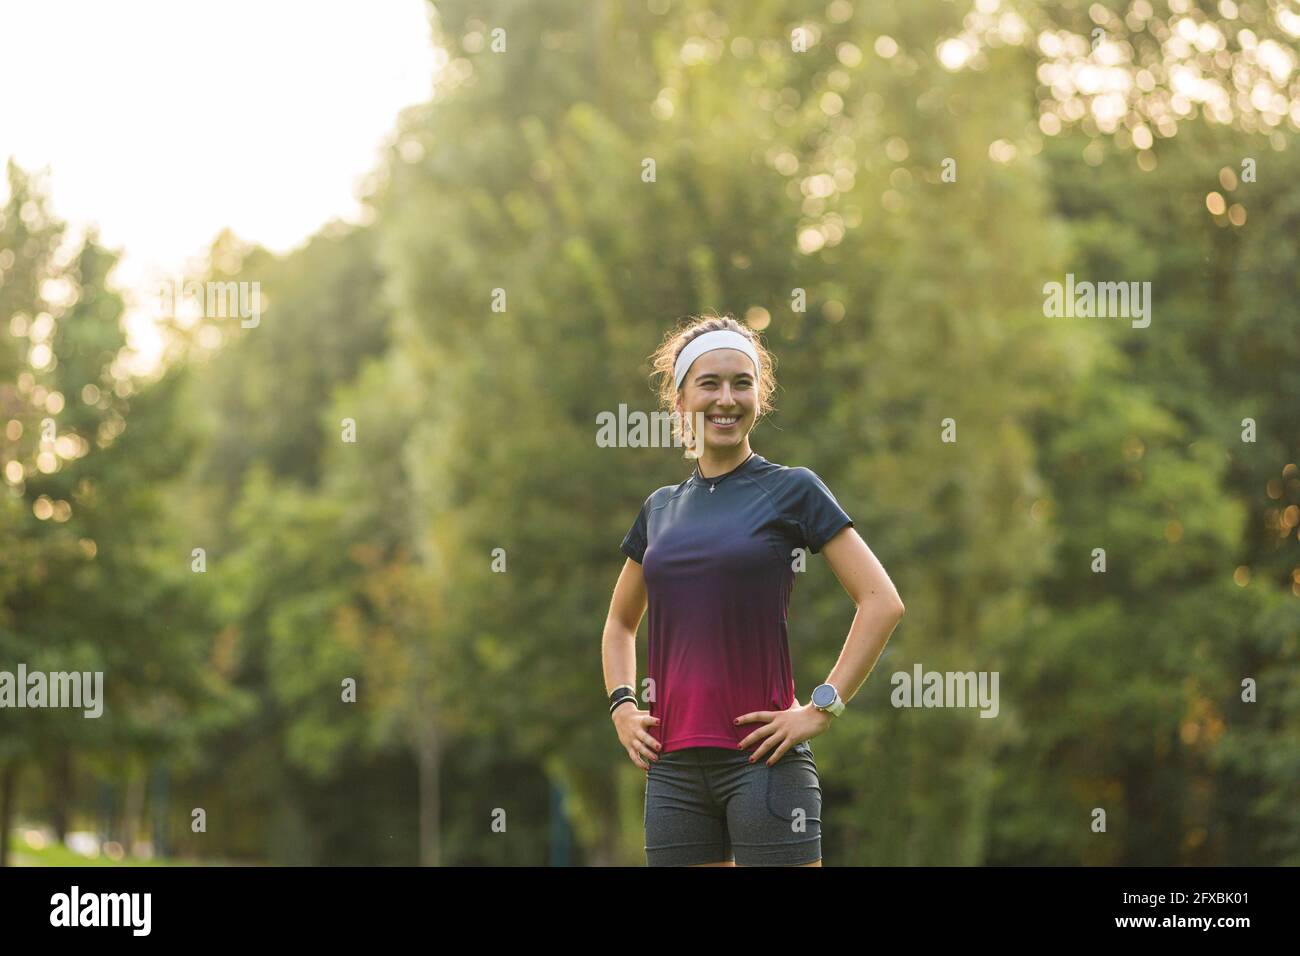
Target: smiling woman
(750,370)
(713,560)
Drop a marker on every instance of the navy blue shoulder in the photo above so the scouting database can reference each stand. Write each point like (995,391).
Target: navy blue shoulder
(800,496)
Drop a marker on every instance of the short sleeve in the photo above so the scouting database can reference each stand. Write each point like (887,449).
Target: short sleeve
(817,513)
(634,542)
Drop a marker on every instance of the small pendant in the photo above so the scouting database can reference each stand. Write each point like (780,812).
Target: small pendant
(711,487)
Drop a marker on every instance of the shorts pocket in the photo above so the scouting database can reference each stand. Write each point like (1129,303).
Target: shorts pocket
(794,793)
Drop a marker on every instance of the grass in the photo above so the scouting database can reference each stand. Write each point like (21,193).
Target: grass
(20,854)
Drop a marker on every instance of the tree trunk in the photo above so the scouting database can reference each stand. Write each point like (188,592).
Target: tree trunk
(427,759)
(132,810)
(62,798)
(8,788)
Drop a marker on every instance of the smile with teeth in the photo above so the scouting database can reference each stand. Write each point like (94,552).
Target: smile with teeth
(724,421)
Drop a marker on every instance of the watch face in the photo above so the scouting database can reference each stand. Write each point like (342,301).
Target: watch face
(823,695)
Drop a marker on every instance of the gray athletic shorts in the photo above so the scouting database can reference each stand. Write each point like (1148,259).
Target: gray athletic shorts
(710,805)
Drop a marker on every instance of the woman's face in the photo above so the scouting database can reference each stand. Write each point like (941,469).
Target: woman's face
(720,385)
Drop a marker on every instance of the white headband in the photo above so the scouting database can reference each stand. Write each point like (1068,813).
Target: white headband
(717,339)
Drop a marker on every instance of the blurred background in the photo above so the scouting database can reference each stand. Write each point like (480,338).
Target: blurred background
(345,567)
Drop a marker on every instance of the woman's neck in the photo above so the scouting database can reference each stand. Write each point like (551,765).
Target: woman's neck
(715,462)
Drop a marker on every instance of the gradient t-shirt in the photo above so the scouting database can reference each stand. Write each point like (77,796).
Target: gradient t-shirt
(718,559)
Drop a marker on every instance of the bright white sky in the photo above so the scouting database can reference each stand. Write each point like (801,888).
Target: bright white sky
(164,121)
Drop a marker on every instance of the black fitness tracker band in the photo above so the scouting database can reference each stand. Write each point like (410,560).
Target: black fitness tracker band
(620,694)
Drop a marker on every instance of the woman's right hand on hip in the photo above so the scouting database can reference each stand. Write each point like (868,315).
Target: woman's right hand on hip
(633,733)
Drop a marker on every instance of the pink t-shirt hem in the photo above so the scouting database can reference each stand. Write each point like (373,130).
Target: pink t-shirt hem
(681,743)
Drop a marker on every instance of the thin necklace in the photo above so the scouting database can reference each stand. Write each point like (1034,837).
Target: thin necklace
(713,482)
